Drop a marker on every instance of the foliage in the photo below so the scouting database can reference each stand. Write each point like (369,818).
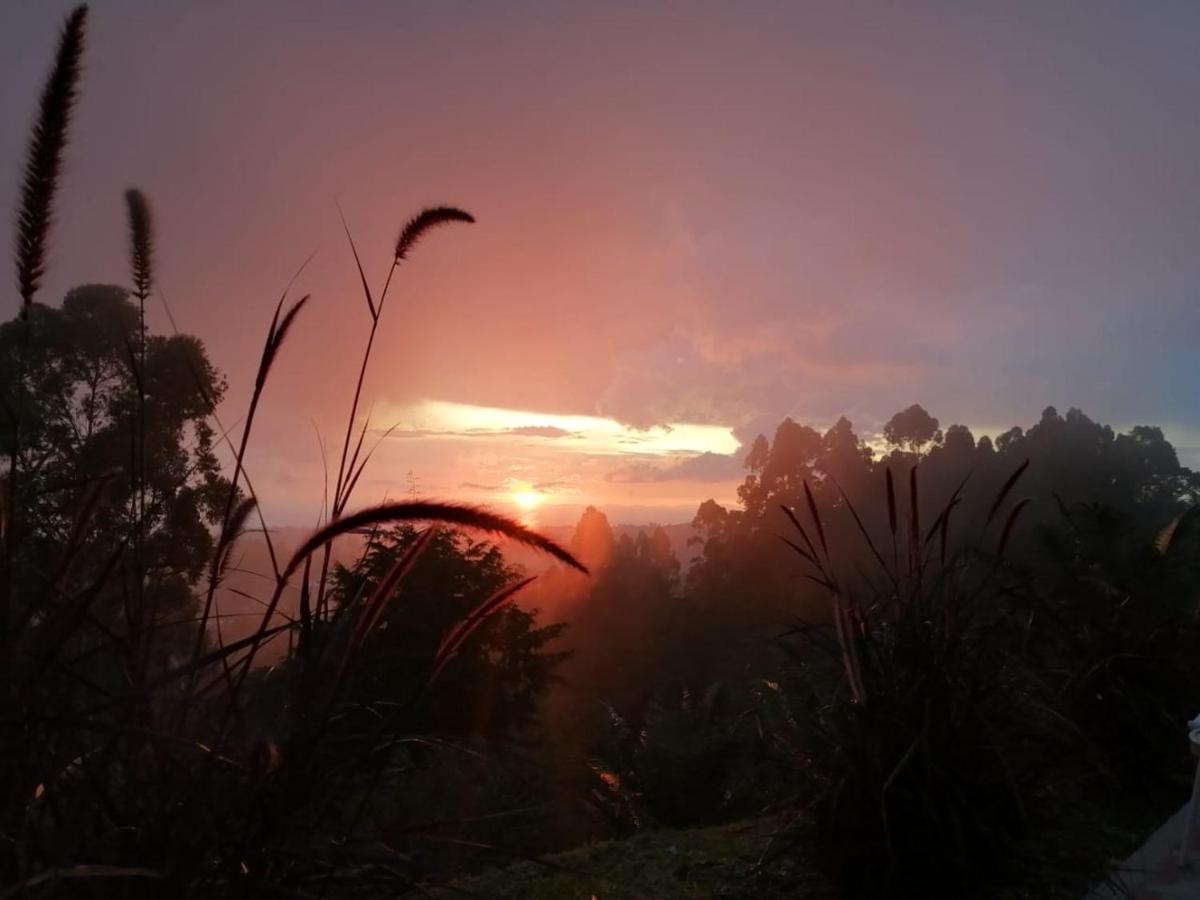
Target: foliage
(724,861)
(492,686)
(1118,628)
(927,743)
(965,664)
(80,413)
(131,771)
(628,634)
(912,429)
(689,762)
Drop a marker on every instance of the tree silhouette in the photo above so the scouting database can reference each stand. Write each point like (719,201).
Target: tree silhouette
(912,429)
(493,686)
(80,432)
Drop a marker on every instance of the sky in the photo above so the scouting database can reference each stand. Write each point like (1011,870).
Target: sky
(693,219)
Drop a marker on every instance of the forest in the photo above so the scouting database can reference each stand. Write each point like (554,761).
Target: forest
(931,665)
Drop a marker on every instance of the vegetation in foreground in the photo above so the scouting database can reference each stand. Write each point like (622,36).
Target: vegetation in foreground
(722,861)
(960,650)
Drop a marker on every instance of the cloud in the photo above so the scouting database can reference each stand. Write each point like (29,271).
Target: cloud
(546,431)
(707,467)
(486,488)
(585,433)
(512,484)
(540,431)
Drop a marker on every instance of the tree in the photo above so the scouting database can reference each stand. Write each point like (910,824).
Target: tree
(779,469)
(493,686)
(593,542)
(912,429)
(79,410)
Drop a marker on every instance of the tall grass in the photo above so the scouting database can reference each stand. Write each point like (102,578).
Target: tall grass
(127,777)
(35,214)
(921,732)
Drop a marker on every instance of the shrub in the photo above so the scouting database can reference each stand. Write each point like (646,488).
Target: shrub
(921,736)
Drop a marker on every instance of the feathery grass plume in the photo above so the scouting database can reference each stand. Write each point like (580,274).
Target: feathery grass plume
(233,529)
(141,242)
(141,257)
(275,338)
(464,629)
(44,162)
(424,221)
(376,604)
(458,514)
(412,232)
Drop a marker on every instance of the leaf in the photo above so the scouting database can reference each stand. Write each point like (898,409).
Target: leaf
(1009,523)
(816,516)
(1004,492)
(358,262)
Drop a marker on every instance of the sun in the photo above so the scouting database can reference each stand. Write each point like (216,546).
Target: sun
(527,500)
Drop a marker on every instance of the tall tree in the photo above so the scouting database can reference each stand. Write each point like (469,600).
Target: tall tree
(912,429)
(80,434)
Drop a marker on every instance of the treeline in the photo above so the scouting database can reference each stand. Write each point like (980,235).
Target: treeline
(961,649)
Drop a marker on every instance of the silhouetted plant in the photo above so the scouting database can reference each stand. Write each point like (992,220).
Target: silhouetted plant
(44,159)
(1118,630)
(688,761)
(136,766)
(924,743)
(39,188)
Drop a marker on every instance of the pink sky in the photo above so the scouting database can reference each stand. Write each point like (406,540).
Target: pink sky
(707,215)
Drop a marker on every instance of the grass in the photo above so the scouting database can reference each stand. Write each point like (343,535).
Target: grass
(932,740)
(740,861)
(127,775)
(725,861)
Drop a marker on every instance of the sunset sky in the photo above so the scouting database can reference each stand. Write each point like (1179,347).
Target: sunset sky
(693,220)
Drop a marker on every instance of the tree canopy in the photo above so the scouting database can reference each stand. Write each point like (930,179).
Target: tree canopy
(493,685)
(76,387)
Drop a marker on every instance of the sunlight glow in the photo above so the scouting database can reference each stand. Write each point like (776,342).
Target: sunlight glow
(527,500)
(590,434)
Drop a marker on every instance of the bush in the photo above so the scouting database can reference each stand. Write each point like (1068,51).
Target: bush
(923,740)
